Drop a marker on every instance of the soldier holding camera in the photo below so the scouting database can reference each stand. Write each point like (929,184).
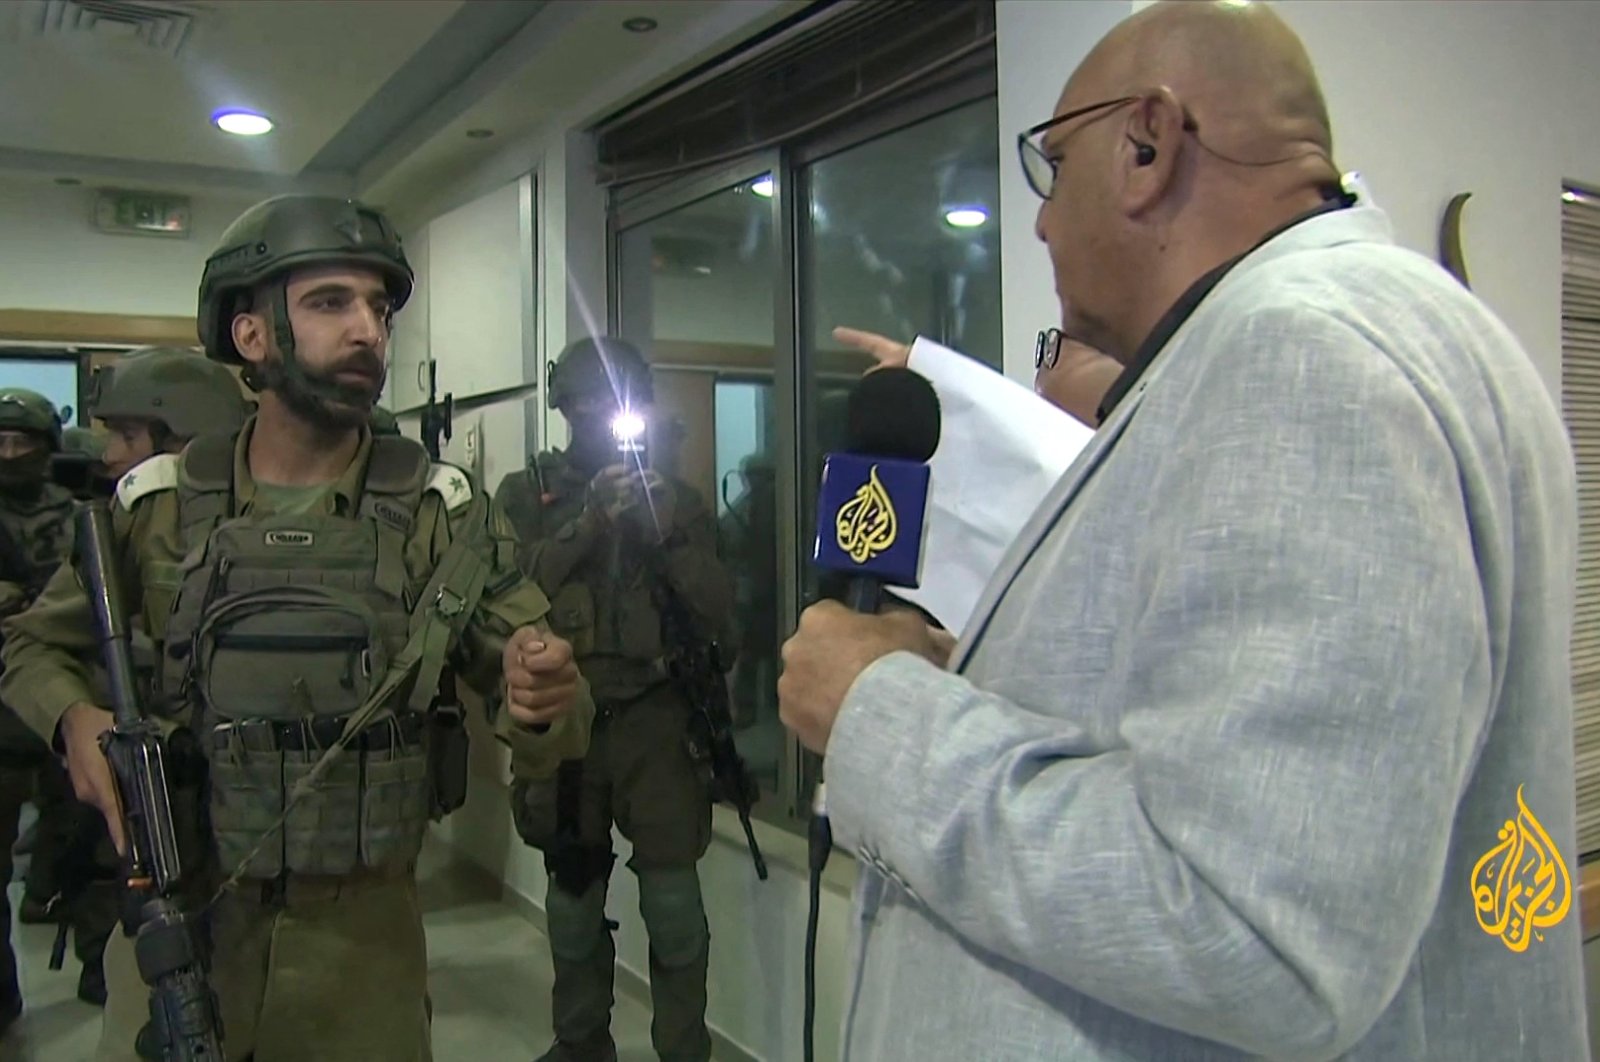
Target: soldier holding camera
(621,549)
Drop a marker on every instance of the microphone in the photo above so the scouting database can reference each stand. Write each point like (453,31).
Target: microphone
(873,505)
(871,517)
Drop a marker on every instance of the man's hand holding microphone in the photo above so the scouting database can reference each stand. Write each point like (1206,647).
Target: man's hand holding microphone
(879,487)
(830,650)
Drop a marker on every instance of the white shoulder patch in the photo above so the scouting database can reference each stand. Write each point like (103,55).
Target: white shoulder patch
(154,474)
(452,484)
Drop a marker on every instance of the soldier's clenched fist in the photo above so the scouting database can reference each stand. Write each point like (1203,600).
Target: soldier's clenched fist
(541,678)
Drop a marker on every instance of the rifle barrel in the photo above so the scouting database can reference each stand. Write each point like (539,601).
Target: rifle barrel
(99,569)
(750,840)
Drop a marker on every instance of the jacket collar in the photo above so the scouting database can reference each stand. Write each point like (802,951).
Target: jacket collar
(1358,224)
(1338,203)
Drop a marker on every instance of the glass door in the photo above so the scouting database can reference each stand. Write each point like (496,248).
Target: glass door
(697,278)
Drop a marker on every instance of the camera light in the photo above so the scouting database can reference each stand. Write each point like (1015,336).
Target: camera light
(627,426)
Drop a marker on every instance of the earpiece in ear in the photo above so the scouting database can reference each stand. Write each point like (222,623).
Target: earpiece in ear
(1143,154)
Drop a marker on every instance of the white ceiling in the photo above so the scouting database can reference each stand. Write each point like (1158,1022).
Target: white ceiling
(579,64)
(78,85)
(373,96)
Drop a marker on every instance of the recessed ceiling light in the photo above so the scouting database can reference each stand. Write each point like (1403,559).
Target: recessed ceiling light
(68,182)
(479,134)
(966,217)
(640,25)
(762,186)
(242,123)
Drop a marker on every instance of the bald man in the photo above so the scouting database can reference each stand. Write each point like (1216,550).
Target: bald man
(1259,742)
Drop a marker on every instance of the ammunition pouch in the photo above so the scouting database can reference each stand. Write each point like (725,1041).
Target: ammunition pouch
(370,810)
(546,813)
(448,764)
(533,812)
(283,653)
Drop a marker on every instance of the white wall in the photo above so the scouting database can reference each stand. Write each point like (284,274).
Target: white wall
(1428,99)
(1038,45)
(53,258)
(1493,98)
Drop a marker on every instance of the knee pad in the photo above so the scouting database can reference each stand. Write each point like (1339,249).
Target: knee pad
(575,924)
(674,916)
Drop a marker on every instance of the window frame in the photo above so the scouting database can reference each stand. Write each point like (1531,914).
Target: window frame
(81,357)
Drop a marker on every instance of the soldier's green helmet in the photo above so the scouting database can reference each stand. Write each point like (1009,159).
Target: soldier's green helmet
(25,410)
(292,232)
(85,441)
(605,367)
(178,388)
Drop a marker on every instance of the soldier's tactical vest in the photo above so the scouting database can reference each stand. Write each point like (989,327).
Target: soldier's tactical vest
(611,617)
(281,628)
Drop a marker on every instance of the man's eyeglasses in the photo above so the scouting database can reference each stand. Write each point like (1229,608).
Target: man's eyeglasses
(1040,168)
(1047,351)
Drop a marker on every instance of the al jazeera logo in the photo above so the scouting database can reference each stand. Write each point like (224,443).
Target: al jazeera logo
(1521,885)
(866,525)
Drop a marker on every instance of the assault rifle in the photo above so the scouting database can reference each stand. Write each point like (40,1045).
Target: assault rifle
(436,415)
(168,944)
(695,666)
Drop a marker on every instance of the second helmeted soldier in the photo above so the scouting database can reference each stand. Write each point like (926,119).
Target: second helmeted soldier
(619,547)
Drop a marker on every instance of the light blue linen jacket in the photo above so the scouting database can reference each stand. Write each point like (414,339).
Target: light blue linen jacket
(1260,741)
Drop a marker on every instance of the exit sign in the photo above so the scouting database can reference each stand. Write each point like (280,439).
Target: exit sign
(142,213)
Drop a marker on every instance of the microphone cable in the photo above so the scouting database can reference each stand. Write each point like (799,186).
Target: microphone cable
(819,836)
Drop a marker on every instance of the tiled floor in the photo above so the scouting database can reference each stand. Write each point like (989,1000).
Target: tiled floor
(490,981)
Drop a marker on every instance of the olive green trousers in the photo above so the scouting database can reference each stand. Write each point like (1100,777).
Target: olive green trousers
(639,775)
(335,970)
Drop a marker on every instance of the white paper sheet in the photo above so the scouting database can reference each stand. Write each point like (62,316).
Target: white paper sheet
(1001,449)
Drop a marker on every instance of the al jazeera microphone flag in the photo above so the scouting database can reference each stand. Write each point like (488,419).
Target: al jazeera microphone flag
(870,517)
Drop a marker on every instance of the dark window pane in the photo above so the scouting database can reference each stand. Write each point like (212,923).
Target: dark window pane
(901,237)
(696,289)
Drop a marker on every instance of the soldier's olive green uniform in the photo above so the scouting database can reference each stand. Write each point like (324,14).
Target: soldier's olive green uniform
(178,394)
(35,536)
(326,967)
(639,774)
(282,621)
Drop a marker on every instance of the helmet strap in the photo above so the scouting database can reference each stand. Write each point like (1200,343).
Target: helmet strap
(282,330)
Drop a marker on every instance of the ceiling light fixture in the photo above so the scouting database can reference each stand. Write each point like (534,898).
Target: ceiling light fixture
(968,217)
(762,186)
(640,25)
(479,134)
(242,123)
